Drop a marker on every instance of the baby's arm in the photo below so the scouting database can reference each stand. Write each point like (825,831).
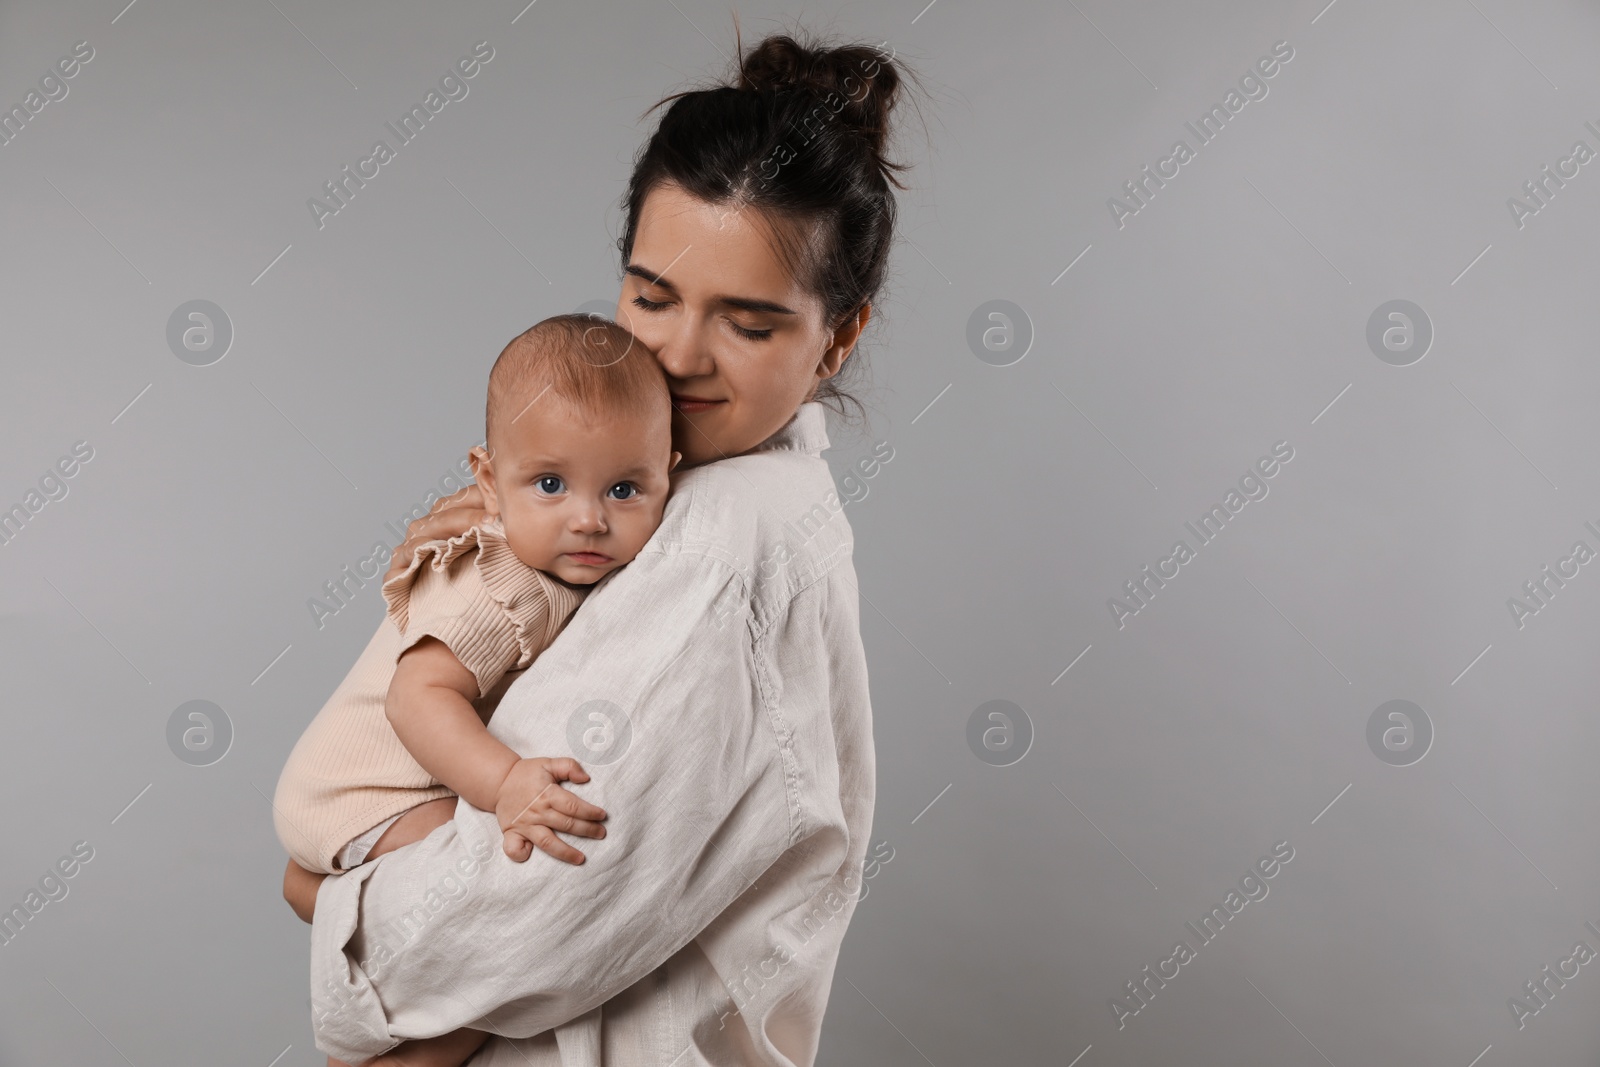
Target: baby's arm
(429,705)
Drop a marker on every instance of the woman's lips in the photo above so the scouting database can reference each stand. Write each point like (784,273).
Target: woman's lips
(589,559)
(691,404)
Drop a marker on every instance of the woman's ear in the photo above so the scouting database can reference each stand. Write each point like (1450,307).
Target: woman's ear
(483,474)
(672,464)
(843,342)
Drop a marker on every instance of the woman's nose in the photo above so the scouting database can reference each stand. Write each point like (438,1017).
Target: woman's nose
(683,353)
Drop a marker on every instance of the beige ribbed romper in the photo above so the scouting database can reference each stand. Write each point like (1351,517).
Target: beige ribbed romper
(349,772)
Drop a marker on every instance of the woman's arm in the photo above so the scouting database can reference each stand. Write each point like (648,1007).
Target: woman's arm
(449,931)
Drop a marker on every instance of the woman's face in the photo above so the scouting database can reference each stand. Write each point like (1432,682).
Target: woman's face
(742,341)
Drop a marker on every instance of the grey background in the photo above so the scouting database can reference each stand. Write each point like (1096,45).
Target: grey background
(1224,317)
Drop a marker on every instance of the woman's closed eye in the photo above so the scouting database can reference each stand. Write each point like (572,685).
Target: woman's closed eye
(749,334)
(644,303)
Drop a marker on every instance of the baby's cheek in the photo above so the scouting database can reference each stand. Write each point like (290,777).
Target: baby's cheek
(531,545)
(633,541)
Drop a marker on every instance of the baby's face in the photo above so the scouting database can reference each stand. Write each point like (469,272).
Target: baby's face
(579,492)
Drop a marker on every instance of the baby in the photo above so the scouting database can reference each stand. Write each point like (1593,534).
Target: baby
(574,481)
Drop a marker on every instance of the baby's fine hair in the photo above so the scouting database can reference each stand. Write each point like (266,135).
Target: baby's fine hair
(588,361)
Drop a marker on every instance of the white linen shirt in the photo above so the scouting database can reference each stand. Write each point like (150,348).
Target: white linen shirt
(716,691)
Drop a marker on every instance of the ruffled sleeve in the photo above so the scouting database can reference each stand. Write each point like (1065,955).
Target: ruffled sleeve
(494,612)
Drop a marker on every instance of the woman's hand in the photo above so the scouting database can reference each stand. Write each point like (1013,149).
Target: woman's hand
(531,807)
(451,515)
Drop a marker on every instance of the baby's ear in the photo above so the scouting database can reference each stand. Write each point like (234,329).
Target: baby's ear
(483,474)
(673,465)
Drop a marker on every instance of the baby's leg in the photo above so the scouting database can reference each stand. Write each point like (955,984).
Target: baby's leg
(300,885)
(414,825)
(446,1050)
(300,889)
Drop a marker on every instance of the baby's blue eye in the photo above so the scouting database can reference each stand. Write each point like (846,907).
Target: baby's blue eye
(624,491)
(549,484)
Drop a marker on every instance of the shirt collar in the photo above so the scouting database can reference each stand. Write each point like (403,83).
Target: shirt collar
(806,431)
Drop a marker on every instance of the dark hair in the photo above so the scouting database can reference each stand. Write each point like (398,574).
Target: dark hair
(586,360)
(800,136)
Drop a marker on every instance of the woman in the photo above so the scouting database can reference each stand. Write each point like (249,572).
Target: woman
(720,677)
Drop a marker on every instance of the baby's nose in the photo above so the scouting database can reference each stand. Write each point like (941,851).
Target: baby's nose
(589,520)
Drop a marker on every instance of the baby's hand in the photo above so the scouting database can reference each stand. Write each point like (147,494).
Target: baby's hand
(531,807)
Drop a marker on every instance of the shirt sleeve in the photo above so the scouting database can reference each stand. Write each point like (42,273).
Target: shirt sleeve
(450,600)
(656,688)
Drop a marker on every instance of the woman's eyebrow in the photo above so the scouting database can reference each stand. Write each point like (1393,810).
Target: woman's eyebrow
(743,303)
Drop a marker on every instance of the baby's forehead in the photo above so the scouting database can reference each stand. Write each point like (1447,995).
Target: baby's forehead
(597,437)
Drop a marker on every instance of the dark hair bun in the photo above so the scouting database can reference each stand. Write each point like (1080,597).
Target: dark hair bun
(857,83)
(797,132)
